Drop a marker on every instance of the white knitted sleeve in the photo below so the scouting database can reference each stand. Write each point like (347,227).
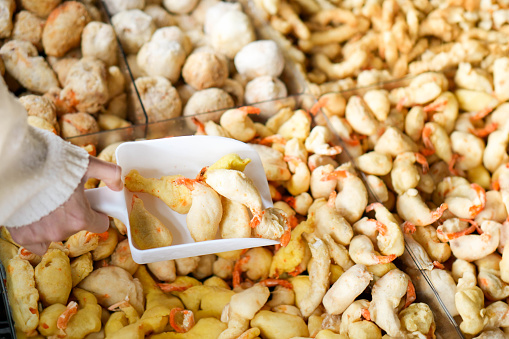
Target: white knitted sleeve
(38,170)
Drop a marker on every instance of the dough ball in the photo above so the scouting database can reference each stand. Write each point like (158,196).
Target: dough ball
(28,27)
(117,6)
(180,6)
(134,28)
(75,124)
(260,58)
(99,40)
(214,13)
(159,98)
(86,85)
(41,8)
(7,8)
(232,32)
(205,69)
(162,58)
(173,33)
(267,88)
(208,100)
(40,107)
(63,28)
(160,16)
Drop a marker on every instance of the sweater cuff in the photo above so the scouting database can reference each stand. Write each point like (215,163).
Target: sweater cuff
(63,169)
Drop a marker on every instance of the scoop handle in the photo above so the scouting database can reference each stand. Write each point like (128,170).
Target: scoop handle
(109,202)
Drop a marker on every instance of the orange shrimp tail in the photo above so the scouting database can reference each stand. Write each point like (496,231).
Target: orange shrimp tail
(409,228)
(276,195)
(63,319)
(352,142)
(200,127)
(120,304)
(410,294)
(380,227)
(436,106)
(236,279)
(401,104)
(495,185)
(435,215)
(421,159)
(188,318)
(322,102)
(292,158)
(485,131)
(165,287)
(237,270)
(429,147)
(373,206)
(333,150)
(331,202)
(456,235)
(438,265)
(481,114)
(355,139)
(452,163)
(427,151)
(381,259)
(365,314)
(290,201)
(335,175)
(285,238)
(250,109)
(276,282)
(293,221)
(474,224)
(298,270)
(481,193)
(272,139)
(257,218)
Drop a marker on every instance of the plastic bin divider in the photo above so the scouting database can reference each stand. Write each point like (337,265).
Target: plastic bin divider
(105,10)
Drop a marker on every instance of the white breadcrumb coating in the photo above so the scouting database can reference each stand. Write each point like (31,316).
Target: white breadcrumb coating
(134,28)
(259,58)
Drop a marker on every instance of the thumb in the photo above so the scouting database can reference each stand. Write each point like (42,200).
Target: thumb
(38,249)
(108,172)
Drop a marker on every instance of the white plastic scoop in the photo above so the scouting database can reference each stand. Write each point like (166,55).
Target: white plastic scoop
(185,155)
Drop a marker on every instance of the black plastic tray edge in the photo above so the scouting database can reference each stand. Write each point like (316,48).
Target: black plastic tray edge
(7,325)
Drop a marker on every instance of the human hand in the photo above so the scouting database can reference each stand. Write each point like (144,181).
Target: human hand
(73,216)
